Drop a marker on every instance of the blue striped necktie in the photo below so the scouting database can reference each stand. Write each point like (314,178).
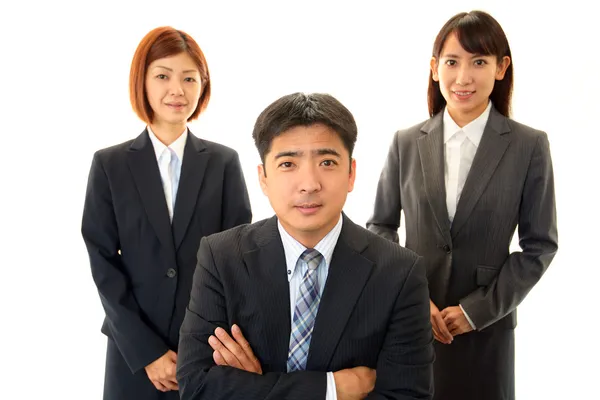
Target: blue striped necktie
(307,305)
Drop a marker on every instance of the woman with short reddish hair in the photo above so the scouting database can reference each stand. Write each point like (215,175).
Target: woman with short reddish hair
(149,201)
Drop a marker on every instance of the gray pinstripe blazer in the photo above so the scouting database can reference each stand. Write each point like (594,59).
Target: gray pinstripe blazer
(510,184)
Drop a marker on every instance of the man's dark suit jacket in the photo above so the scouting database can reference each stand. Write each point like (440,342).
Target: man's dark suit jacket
(141,263)
(374,312)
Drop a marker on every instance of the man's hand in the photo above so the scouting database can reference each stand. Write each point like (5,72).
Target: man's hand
(354,383)
(440,330)
(455,320)
(235,352)
(161,372)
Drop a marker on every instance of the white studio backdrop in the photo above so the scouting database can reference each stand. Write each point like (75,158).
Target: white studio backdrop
(64,72)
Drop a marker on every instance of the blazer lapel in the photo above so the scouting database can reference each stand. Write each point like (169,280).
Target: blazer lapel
(492,147)
(195,160)
(144,168)
(267,271)
(431,151)
(348,274)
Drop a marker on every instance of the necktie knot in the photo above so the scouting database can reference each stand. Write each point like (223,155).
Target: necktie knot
(312,258)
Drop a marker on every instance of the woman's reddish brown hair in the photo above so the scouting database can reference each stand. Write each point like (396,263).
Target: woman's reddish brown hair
(160,43)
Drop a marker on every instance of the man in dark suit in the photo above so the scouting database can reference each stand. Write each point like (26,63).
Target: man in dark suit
(328,309)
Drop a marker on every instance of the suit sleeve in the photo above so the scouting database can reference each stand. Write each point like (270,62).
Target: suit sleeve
(197,374)
(538,239)
(236,208)
(136,341)
(385,219)
(405,363)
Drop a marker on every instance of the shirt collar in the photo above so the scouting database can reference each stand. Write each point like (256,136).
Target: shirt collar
(473,130)
(177,146)
(293,249)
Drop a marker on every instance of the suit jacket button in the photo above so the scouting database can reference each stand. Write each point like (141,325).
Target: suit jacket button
(447,249)
(171,273)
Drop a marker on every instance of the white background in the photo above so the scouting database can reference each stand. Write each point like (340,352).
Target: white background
(64,94)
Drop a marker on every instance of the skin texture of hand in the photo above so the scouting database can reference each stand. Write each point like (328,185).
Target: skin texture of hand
(234,352)
(161,372)
(440,330)
(455,320)
(354,383)
(351,384)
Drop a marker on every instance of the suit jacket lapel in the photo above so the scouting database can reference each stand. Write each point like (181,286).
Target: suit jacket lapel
(431,151)
(195,160)
(144,168)
(348,274)
(492,147)
(268,279)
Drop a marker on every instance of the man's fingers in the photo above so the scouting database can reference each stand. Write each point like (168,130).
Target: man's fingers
(215,343)
(219,360)
(230,359)
(236,349)
(228,342)
(241,340)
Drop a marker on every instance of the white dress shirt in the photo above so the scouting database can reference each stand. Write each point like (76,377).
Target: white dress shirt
(293,249)
(170,159)
(460,146)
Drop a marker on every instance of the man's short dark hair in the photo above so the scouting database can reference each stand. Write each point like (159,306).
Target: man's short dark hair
(300,109)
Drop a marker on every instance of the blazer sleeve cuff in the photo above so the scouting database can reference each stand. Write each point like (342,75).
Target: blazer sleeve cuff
(468,318)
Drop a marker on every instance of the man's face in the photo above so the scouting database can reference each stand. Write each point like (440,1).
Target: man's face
(307,175)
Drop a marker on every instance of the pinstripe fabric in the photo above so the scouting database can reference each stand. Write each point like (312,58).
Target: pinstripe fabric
(509,184)
(374,312)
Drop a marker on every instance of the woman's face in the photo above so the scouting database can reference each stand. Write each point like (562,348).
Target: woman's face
(466,80)
(173,88)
